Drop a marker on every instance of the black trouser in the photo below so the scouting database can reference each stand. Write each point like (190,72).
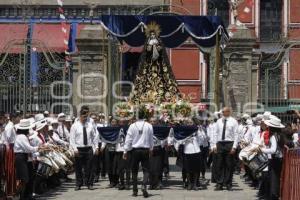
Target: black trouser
(224,163)
(109,161)
(213,167)
(140,155)
(264,186)
(166,167)
(84,167)
(275,166)
(99,164)
(31,174)
(204,155)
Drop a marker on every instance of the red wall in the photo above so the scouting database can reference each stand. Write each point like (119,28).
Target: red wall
(185,64)
(185,61)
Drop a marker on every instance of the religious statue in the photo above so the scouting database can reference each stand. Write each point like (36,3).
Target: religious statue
(234,7)
(155,81)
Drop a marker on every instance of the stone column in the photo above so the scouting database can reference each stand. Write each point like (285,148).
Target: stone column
(90,70)
(240,72)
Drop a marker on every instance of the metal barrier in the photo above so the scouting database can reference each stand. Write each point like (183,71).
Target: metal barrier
(290,175)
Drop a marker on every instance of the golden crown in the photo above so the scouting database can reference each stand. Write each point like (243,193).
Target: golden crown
(153,27)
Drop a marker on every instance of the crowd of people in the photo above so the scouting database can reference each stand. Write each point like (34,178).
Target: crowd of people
(221,142)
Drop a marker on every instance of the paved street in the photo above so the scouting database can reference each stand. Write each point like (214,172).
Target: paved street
(173,191)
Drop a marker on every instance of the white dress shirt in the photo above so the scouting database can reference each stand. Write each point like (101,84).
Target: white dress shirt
(210,133)
(139,135)
(272,148)
(9,134)
(256,135)
(231,131)
(76,135)
(192,144)
(121,142)
(63,132)
(56,139)
(203,137)
(22,145)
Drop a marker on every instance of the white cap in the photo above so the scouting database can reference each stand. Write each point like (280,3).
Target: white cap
(46,112)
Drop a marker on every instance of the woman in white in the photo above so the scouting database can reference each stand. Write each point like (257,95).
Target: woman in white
(273,149)
(23,150)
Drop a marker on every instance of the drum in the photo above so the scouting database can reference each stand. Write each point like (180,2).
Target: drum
(246,153)
(44,168)
(258,163)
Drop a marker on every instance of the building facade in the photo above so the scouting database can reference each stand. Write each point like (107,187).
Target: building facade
(273,26)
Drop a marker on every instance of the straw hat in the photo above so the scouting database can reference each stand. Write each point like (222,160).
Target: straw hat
(53,121)
(69,118)
(249,122)
(40,121)
(24,124)
(61,115)
(245,116)
(274,121)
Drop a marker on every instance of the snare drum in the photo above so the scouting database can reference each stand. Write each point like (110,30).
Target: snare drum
(258,163)
(44,169)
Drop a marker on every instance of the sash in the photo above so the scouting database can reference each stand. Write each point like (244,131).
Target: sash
(109,134)
(161,132)
(182,132)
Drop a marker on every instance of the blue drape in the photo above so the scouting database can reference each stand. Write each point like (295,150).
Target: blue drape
(161,132)
(174,29)
(109,134)
(182,132)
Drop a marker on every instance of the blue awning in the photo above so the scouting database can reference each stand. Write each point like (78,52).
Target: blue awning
(174,29)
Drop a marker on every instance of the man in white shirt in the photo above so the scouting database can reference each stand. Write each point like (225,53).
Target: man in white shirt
(62,129)
(140,138)
(226,140)
(84,141)
(9,134)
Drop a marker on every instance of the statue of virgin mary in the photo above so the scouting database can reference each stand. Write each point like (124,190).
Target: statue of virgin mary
(155,81)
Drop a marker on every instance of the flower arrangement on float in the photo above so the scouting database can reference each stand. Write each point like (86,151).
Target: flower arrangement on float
(178,110)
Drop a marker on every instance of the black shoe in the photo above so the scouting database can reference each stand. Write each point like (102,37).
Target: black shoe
(90,187)
(229,187)
(121,187)
(219,188)
(68,180)
(135,194)
(127,187)
(145,193)
(110,185)
(195,188)
(77,188)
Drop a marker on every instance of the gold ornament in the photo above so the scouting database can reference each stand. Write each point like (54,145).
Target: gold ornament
(153,27)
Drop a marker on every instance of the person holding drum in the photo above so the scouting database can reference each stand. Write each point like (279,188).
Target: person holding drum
(273,148)
(23,149)
(226,139)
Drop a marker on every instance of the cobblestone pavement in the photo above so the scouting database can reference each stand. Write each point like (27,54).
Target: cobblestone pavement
(173,190)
